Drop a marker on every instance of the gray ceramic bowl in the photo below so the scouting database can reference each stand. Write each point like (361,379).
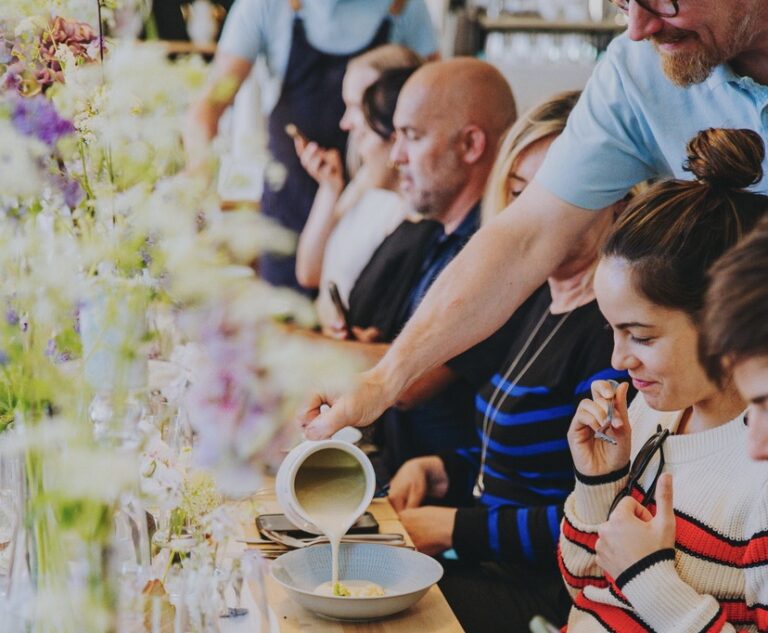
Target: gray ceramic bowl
(404,574)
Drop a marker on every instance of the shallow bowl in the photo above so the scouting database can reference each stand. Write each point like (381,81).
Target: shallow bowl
(405,575)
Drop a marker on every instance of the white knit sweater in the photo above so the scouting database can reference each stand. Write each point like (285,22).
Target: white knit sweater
(717,577)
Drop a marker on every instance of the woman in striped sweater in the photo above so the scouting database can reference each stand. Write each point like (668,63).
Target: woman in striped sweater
(687,550)
(530,376)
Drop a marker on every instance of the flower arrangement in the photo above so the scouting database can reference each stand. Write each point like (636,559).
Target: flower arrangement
(99,225)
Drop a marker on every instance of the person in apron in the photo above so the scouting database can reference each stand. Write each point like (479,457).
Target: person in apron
(311,100)
(300,85)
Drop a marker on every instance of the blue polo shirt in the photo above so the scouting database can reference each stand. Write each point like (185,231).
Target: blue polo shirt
(444,422)
(262,29)
(444,248)
(632,123)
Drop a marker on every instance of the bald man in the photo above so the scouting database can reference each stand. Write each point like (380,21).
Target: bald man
(449,119)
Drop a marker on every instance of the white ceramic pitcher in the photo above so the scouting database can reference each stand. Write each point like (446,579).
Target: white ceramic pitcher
(292,465)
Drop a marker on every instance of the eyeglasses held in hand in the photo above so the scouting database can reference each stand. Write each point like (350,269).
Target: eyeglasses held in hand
(639,466)
(659,8)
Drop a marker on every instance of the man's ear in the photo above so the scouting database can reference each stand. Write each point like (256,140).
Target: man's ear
(473,143)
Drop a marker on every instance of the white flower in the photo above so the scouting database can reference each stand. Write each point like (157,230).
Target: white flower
(162,477)
(163,485)
(95,474)
(20,164)
(245,234)
(221,524)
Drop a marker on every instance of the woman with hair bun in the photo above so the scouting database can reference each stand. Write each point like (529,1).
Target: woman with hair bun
(672,540)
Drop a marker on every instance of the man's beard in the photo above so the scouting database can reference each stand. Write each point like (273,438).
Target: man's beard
(432,200)
(688,68)
(433,204)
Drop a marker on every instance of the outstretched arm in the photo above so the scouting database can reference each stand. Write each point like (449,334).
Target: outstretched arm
(227,75)
(500,266)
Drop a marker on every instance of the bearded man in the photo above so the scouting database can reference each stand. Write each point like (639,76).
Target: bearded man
(682,66)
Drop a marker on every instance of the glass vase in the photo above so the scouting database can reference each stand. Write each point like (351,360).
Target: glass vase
(113,329)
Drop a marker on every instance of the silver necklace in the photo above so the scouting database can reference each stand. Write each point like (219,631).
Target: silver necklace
(489,420)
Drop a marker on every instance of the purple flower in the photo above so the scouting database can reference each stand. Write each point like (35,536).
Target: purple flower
(38,117)
(71,189)
(5,50)
(53,352)
(78,309)
(95,48)
(13,77)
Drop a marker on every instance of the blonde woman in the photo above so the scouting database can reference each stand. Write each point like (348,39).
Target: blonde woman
(523,149)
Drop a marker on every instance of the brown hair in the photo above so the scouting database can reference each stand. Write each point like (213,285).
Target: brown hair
(380,60)
(386,57)
(735,321)
(673,233)
(380,99)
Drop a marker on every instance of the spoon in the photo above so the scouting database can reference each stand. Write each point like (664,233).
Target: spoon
(601,432)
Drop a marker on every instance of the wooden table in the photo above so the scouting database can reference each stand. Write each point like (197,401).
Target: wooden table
(430,615)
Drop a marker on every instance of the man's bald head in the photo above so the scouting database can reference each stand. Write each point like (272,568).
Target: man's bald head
(464,91)
(449,119)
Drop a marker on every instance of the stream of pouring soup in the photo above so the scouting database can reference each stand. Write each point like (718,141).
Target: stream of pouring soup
(329,486)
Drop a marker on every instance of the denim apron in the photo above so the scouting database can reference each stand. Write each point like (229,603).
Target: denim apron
(311,100)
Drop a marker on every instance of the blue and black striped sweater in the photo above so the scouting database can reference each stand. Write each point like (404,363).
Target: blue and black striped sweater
(528,470)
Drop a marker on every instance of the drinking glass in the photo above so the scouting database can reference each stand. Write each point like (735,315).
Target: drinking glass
(11,499)
(254,571)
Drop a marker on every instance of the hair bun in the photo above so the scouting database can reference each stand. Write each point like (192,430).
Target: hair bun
(726,157)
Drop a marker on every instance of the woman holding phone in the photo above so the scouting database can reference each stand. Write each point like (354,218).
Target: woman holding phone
(665,530)
(347,223)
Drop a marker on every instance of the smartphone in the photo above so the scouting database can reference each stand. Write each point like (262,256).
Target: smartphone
(295,133)
(366,524)
(333,290)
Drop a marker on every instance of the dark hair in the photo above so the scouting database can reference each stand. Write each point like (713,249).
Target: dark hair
(673,233)
(380,99)
(735,321)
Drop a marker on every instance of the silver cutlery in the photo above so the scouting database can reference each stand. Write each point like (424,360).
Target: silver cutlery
(290,541)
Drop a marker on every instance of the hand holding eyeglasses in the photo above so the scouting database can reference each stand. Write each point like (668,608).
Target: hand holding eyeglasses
(591,455)
(632,532)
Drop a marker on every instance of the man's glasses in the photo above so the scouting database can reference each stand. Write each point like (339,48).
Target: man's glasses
(659,8)
(642,459)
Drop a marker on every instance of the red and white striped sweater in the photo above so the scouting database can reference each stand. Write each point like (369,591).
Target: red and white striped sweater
(716,579)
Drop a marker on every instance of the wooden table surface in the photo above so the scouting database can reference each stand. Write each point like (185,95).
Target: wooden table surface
(430,615)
